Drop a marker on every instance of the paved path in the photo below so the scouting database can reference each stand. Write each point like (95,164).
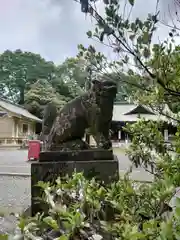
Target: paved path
(14,161)
(137,174)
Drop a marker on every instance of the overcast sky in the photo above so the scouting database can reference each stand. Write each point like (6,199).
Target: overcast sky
(52,28)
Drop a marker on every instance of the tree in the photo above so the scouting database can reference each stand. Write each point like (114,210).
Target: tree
(18,70)
(39,95)
(20,73)
(126,85)
(131,39)
(67,82)
(73,74)
(156,71)
(62,88)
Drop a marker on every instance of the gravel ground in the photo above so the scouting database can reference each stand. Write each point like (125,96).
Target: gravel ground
(14,161)
(14,197)
(14,193)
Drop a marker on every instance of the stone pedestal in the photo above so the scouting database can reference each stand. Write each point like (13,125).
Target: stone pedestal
(51,165)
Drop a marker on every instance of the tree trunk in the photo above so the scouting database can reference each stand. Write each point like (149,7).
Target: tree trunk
(21,101)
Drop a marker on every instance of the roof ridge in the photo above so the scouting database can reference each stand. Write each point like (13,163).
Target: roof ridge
(123,102)
(18,109)
(15,104)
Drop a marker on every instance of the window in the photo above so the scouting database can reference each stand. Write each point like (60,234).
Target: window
(25,128)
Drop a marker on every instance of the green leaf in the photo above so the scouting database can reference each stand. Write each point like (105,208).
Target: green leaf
(167,230)
(139,40)
(78,218)
(89,34)
(177,202)
(126,24)
(132,2)
(51,222)
(22,223)
(133,26)
(146,52)
(130,72)
(67,225)
(177,212)
(146,38)
(132,37)
(4,236)
(126,59)
(63,237)
(137,236)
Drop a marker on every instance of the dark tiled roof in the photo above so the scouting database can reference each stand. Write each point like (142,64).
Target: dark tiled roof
(126,112)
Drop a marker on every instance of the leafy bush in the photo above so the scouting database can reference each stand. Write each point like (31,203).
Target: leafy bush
(85,209)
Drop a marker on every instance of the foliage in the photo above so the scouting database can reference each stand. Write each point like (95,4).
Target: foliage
(155,69)
(148,71)
(39,95)
(84,209)
(73,74)
(18,70)
(96,65)
(156,65)
(67,82)
(22,72)
(150,151)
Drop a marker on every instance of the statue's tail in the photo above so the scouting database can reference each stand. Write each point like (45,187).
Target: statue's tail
(49,116)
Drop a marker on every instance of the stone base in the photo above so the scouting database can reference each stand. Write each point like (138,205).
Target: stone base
(63,163)
(73,145)
(78,155)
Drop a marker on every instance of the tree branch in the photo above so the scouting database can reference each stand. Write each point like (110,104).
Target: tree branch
(97,17)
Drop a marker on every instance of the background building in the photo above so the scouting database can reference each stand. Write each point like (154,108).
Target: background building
(125,112)
(16,124)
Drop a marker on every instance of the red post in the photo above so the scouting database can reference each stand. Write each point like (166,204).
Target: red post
(34,149)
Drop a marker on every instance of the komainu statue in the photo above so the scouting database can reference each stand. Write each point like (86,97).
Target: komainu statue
(64,130)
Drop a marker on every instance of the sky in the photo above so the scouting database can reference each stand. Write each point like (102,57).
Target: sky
(54,28)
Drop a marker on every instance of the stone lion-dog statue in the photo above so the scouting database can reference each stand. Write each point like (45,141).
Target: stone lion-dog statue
(64,130)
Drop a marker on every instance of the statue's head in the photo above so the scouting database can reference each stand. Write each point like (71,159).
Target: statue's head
(105,93)
(106,89)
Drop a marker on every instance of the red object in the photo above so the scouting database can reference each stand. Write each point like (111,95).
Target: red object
(34,150)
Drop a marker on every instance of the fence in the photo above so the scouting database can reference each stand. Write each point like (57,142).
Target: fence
(12,141)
